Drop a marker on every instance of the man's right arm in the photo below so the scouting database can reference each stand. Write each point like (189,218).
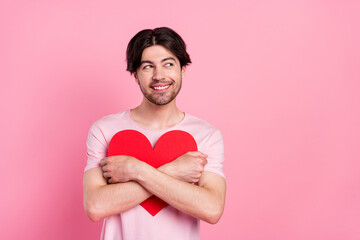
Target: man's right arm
(102,200)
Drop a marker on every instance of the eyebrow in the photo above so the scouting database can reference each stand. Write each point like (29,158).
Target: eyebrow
(163,60)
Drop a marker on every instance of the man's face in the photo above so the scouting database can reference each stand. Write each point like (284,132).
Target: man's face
(159,75)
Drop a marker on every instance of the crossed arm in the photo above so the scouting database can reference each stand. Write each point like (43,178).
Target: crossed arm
(134,181)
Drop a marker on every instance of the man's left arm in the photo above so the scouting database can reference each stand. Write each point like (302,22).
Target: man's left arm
(204,201)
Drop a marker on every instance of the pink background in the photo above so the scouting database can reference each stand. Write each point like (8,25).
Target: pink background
(281,79)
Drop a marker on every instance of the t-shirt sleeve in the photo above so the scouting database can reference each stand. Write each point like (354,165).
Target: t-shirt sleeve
(215,151)
(96,147)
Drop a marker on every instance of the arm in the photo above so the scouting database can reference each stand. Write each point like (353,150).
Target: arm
(102,199)
(204,201)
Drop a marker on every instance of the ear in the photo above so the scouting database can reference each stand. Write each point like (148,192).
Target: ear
(136,78)
(183,70)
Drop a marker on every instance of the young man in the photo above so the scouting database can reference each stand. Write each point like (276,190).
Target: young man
(193,184)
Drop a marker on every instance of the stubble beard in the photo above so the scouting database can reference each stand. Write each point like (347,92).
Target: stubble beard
(160,99)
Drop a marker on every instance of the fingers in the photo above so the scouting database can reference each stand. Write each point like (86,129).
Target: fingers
(106,174)
(197,154)
(105,168)
(103,161)
(108,177)
(108,160)
(197,177)
(110,180)
(198,159)
(204,161)
(201,166)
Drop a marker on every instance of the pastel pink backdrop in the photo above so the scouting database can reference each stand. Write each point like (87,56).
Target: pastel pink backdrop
(281,79)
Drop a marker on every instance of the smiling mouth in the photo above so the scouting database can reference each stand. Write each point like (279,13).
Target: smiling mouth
(160,88)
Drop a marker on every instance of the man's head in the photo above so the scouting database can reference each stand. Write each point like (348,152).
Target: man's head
(163,36)
(158,60)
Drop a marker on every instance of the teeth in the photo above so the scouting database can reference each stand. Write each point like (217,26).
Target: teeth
(161,88)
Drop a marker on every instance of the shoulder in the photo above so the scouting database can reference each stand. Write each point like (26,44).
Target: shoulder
(111,124)
(111,119)
(200,124)
(204,132)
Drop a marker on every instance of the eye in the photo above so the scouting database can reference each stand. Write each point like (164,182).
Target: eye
(169,64)
(147,67)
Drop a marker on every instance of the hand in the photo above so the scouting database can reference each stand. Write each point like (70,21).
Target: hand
(187,167)
(119,168)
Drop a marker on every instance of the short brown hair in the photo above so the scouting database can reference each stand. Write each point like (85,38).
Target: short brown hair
(163,36)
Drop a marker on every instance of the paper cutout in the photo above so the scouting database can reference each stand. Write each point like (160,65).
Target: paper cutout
(170,146)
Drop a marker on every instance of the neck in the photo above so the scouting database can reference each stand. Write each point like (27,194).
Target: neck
(156,117)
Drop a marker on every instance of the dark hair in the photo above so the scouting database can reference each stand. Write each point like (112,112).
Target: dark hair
(163,36)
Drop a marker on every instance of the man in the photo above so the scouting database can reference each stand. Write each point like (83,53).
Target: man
(193,184)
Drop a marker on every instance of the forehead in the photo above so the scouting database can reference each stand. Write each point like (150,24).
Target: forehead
(157,53)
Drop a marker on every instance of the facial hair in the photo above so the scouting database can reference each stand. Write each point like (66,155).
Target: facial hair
(161,99)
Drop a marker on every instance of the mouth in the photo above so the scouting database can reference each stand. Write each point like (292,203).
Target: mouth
(160,87)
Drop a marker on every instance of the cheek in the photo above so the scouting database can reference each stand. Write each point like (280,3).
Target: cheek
(143,78)
(175,75)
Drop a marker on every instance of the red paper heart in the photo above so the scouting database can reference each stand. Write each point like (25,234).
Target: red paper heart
(170,146)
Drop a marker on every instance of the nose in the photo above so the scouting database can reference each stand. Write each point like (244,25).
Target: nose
(158,73)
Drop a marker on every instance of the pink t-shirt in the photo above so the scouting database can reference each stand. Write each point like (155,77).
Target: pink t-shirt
(169,223)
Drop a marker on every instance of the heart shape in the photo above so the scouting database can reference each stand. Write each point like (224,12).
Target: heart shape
(170,146)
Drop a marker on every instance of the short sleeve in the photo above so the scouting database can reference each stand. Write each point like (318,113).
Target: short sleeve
(215,150)
(96,147)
